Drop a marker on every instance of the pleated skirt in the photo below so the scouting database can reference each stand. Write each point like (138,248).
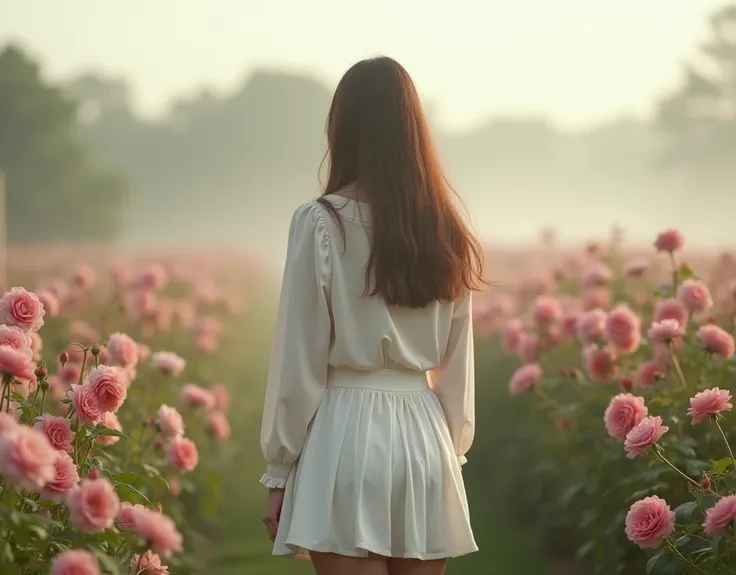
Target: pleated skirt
(378,474)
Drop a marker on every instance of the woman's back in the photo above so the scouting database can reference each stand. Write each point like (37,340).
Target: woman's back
(370,402)
(367,333)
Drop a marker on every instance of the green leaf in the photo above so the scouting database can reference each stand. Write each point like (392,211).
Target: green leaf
(127,477)
(108,563)
(652,561)
(102,430)
(131,494)
(682,541)
(686,271)
(717,546)
(686,511)
(584,549)
(722,465)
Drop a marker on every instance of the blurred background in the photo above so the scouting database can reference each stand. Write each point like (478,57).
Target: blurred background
(200,125)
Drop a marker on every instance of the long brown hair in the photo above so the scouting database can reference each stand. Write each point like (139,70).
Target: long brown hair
(378,138)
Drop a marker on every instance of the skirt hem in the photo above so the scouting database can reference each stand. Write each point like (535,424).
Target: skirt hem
(293,547)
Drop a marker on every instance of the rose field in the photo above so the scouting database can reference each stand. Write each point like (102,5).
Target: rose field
(132,386)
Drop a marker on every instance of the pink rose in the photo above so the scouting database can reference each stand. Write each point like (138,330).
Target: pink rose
(597,275)
(671,309)
(524,378)
(110,420)
(36,345)
(26,457)
(158,530)
(17,362)
(21,308)
(84,276)
(205,342)
(222,396)
(168,362)
(182,454)
(93,505)
(717,340)
(149,564)
(709,403)
(648,373)
(670,240)
(218,425)
(527,348)
(665,331)
(126,513)
(591,325)
(70,373)
(7,421)
(170,421)
(721,516)
(152,277)
(49,301)
(596,298)
(623,329)
(569,323)
(15,337)
(75,562)
(623,414)
(546,310)
(123,350)
(649,522)
(600,362)
(197,396)
(65,480)
(108,384)
(86,403)
(636,268)
(695,295)
(645,434)
(57,429)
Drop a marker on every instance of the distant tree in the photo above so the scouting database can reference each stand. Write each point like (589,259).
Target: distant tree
(54,188)
(700,116)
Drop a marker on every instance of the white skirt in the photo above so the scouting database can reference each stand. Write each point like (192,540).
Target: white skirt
(378,474)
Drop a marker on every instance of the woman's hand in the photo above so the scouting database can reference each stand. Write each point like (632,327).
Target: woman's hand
(273,511)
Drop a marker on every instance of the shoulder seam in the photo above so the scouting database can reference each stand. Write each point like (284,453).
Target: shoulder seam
(320,220)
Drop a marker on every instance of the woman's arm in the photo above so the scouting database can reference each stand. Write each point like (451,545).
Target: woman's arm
(298,370)
(454,380)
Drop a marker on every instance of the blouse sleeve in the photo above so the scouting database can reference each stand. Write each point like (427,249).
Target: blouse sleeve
(454,380)
(298,371)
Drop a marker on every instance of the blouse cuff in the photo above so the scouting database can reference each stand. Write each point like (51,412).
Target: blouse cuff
(462,460)
(276,476)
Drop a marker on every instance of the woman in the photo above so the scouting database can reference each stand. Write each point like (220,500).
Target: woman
(370,401)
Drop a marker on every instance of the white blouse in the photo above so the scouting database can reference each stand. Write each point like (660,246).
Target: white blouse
(324,320)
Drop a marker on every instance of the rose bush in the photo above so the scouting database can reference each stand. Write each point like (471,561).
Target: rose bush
(108,454)
(620,429)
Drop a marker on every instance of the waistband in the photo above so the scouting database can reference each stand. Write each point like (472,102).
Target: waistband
(384,379)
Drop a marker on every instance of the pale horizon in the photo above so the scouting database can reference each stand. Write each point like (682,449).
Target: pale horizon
(574,62)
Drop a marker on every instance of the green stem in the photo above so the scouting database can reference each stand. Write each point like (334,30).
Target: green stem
(667,461)
(43,400)
(84,364)
(546,398)
(675,275)
(76,441)
(725,440)
(33,403)
(676,363)
(685,559)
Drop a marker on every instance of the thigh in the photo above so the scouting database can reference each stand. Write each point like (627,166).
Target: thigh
(332,564)
(416,567)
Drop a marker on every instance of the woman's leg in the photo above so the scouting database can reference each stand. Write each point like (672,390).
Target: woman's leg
(416,567)
(332,564)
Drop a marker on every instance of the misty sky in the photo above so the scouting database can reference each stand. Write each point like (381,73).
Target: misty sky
(576,61)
